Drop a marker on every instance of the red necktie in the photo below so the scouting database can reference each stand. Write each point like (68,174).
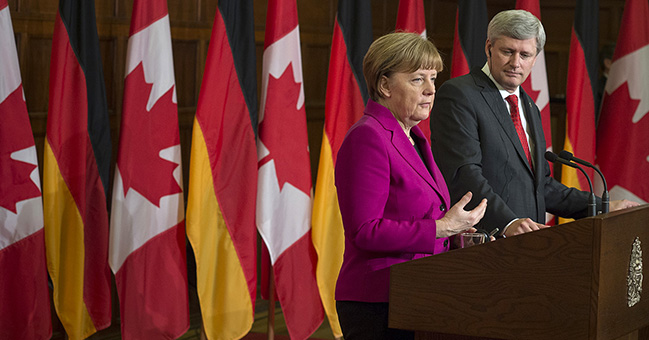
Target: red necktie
(516,118)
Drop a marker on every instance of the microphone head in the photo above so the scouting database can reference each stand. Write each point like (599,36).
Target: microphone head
(551,156)
(566,155)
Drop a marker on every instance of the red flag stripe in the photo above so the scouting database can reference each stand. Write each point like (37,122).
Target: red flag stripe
(346,106)
(68,94)
(459,64)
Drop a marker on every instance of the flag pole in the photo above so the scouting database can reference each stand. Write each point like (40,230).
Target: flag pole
(271,303)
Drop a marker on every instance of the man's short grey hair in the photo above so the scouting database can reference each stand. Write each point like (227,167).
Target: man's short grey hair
(518,24)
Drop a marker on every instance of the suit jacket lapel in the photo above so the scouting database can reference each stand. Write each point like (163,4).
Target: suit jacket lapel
(409,154)
(498,108)
(401,143)
(439,184)
(536,131)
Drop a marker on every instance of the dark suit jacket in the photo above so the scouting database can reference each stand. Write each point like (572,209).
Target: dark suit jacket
(389,203)
(477,149)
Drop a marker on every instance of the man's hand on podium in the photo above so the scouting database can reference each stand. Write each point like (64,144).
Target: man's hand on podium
(523,225)
(622,204)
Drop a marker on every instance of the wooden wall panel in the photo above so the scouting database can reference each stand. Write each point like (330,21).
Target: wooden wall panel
(185,55)
(186,59)
(440,25)
(103,9)
(384,16)
(207,12)
(610,14)
(183,10)
(123,8)
(37,7)
(558,33)
(315,69)
(36,73)
(112,78)
(315,88)
(316,16)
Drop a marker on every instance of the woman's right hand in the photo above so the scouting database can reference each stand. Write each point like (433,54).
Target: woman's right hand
(458,220)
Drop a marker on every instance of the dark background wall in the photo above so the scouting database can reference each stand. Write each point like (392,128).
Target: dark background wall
(191,25)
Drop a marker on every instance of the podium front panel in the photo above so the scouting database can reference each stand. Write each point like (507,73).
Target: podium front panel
(533,286)
(619,231)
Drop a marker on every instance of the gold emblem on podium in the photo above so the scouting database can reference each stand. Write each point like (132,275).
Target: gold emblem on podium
(634,278)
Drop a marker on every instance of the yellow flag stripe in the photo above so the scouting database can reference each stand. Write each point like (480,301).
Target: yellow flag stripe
(64,244)
(327,234)
(569,175)
(222,287)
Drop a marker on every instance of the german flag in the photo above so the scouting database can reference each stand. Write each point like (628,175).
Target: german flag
(344,103)
(223,176)
(470,36)
(581,91)
(75,173)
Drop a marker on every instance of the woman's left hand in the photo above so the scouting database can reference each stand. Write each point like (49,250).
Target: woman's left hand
(458,220)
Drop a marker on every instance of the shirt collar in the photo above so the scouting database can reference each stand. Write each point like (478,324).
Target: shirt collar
(504,93)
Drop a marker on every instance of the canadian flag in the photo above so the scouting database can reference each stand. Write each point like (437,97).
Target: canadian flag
(623,128)
(147,234)
(411,17)
(536,86)
(24,297)
(284,182)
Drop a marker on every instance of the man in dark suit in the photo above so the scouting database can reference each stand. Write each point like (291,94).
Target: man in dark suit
(492,144)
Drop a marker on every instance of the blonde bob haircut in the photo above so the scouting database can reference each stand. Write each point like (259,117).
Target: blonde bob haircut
(398,52)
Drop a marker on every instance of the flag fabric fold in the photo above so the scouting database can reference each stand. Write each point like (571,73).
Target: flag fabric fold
(581,92)
(147,231)
(344,103)
(622,138)
(470,35)
(25,307)
(223,176)
(411,17)
(284,182)
(75,174)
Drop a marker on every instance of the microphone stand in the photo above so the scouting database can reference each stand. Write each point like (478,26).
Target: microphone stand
(592,202)
(605,196)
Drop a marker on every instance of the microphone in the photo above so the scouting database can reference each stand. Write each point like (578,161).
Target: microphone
(605,197)
(592,206)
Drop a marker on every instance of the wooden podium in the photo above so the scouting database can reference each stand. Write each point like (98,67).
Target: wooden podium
(565,282)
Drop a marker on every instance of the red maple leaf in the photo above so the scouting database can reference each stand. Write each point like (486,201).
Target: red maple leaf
(623,146)
(15,135)
(283,131)
(143,134)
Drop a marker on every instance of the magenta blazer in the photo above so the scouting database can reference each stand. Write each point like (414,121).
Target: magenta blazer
(389,202)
